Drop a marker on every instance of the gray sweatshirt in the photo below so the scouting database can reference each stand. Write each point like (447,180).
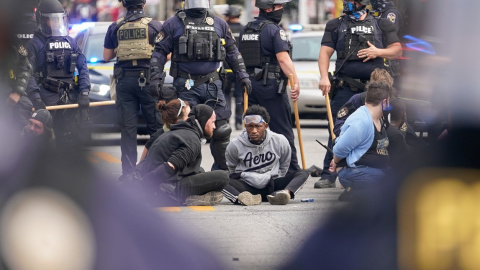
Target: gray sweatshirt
(259,163)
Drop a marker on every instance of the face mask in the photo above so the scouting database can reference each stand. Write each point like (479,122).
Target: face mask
(274,16)
(353,11)
(195,12)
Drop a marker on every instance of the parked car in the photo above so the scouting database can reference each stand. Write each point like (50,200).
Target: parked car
(90,38)
(306,46)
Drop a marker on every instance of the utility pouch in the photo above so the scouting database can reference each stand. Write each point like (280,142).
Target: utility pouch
(73,62)
(282,86)
(54,85)
(118,73)
(50,57)
(258,73)
(334,82)
(60,61)
(182,44)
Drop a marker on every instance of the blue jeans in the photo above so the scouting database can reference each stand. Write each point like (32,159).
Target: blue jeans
(360,177)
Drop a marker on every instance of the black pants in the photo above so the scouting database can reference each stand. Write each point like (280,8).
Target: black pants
(278,106)
(201,183)
(292,181)
(130,99)
(231,83)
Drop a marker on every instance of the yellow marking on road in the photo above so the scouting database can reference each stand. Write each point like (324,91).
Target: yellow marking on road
(170,209)
(201,208)
(107,157)
(92,160)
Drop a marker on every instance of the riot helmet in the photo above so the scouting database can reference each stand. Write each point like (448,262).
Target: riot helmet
(351,8)
(264,4)
(233,12)
(51,18)
(131,3)
(197,4)
(379,5)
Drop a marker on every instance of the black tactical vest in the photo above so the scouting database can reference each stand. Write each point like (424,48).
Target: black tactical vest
(250,46)
(353,36)
(199,42)
(60,59)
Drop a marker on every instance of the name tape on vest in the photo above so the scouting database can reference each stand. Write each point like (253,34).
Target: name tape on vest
(250,37)
(201,28)
(59,45)
(362,29)
(136,33)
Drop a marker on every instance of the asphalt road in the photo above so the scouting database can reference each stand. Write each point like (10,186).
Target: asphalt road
(257,237)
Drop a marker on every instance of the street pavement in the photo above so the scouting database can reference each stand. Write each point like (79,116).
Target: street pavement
(256,237)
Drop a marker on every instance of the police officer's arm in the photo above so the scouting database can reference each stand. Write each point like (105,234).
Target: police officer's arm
(33,91)
(324,56)
(108,54)
(233,56)
(393,49)
(83,73)
(286,64)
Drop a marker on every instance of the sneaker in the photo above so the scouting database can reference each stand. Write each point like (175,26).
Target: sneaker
(280,197)
(248,199)
(324,183)
(207,199)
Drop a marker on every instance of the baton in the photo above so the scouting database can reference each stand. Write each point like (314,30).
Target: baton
(297,122)
(71,106)
(330,118)
(245,99)
(324,146)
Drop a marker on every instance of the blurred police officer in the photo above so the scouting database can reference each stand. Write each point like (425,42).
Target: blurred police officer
(199,42)
(362,42)
(131,40)
(266,50)
(27,23)
(56,58)
(232,16)
(386,9)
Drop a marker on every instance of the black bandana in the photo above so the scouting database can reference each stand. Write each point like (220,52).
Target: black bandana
(274,16)
(196,12)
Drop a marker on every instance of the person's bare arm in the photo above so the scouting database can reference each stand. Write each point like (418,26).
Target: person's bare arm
(108,54)
(323,64)
(287,67)
(393,51)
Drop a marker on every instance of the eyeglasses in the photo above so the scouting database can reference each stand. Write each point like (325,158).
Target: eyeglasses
(182,105)
(253,119)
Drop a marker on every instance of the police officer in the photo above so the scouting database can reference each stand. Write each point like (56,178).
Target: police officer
(362,42)
(131,40)
(266,50)
(232,16)
(386,9)
(199,42)
(56,58)
(28,25)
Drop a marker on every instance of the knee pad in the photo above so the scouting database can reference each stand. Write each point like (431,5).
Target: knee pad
(222,131)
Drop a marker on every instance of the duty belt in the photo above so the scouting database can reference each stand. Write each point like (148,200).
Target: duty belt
(199,79)
(354,84)
(270,75)
(133,72)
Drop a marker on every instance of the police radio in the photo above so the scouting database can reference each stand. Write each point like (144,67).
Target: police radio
(182,44)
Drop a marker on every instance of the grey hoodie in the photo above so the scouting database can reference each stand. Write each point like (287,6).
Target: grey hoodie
(259,163)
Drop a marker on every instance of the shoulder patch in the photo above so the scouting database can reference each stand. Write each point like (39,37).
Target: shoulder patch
(342,112)
(159,37)
(391,17)
(283,35)
(209,20)
(22,51)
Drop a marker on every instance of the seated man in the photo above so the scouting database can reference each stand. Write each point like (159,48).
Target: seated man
(39,130)
(258,161)
(173,162)
(363,143)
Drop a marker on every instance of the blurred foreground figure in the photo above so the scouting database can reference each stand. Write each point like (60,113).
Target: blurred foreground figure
(428,219)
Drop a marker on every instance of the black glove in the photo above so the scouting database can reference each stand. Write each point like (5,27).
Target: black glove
(83,100)
(155,88)
(246,83)
(38,104)
(156,70)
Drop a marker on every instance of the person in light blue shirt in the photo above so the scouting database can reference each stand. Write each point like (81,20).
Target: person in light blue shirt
(360,153)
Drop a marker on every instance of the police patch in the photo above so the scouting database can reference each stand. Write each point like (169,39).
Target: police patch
(283,35)
(22,51)
(209,20)
(392,17)
(343,112)
(159,37)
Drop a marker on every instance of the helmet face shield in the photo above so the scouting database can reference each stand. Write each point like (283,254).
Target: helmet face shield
(53,24)
(197,4)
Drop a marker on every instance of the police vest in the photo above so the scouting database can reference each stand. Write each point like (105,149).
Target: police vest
(353,36)
(199,41)
(60,59)
(251,49)
(133,42)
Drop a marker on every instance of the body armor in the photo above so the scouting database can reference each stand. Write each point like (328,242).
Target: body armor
(60,59)
(133,42)
(251,48)
(353,36)
(199,42)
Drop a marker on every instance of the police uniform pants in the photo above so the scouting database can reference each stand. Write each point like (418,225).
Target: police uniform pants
(341,97)
(212,95)
(232,83)
(278,106)
(130,99)
(293,181)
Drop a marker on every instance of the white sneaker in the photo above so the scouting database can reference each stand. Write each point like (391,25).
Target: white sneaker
(280,197)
